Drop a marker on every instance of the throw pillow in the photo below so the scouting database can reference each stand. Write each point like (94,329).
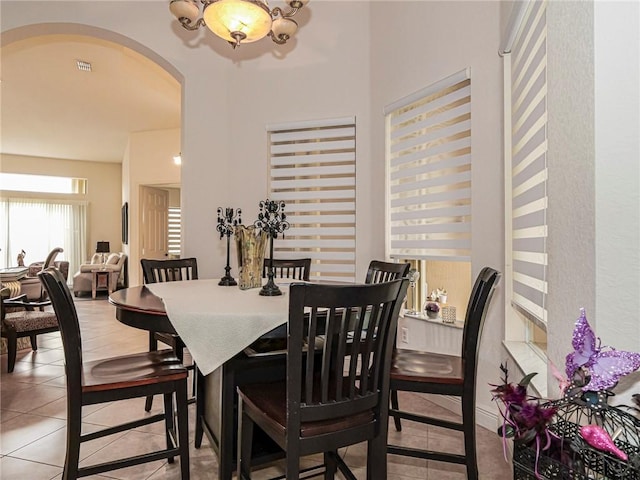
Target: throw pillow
(113,259)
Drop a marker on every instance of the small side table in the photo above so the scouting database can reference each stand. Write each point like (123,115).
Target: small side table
(100,279)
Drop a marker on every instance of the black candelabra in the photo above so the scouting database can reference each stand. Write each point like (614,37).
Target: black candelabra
(273,221)
(228,219)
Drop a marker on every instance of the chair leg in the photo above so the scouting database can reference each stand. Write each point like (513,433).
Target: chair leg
(168,420)
(377,457)
(12,350)
(469,422)
(395,406)
(293,463)
(74,426)
(34,342)
(330,464)
(183,428)
(153,346)
(245,444)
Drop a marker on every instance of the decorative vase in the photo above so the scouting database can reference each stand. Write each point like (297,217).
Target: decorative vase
(250,243)
(431,314)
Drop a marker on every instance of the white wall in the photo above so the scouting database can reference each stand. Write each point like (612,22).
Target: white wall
(327,78)
(424,42)
(570,216)
(617,179)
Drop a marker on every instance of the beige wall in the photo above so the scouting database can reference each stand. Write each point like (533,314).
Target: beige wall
(103,194)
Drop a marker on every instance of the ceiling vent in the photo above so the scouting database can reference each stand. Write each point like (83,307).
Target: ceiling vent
(83,66)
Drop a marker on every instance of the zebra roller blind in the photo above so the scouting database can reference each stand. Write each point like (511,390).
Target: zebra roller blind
(428,137)
(528,60)
(313,170)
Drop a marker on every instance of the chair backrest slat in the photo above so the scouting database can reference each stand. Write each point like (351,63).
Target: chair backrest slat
(294,269)
(352,373)
(379,271)
(159,271)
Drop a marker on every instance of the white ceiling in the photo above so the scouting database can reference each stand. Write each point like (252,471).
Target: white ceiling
(51,109)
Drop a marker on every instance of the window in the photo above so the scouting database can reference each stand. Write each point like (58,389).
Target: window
(38,226)
(18,182)
(313,170)
(525,64)
(175,232)
(428,162)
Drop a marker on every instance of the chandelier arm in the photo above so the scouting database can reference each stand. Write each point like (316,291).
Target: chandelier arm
(279,41)
(186,23)
(278,11)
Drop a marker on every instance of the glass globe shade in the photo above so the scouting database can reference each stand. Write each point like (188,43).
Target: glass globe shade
(284,28)
(184,9)
(250,18)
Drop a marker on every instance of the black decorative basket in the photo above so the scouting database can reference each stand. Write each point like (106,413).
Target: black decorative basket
(577,460)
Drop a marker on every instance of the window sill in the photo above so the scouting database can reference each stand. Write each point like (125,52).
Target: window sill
(421,316)
(528,361)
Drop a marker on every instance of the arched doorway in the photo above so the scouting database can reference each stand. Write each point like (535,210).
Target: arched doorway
(75,95)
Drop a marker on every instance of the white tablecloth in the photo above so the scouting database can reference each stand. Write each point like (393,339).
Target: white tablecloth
(216,322)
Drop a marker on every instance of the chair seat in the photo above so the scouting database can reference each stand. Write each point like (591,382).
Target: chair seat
(426,367)
(132,370)
(270,399)
(27,321)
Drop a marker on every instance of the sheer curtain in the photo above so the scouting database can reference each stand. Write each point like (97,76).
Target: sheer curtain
(37,226)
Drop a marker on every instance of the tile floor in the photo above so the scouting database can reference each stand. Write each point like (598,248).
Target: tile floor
(33,412)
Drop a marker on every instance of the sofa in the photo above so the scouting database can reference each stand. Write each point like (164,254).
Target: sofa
(115,263)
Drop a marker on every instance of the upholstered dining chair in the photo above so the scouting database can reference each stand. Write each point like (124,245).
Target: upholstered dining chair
(20,318)
(173,270)
(294,269)
(424,372)
(31,283)
(114,379)
(329,400)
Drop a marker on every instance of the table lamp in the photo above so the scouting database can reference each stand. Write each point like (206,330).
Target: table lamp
(102,248)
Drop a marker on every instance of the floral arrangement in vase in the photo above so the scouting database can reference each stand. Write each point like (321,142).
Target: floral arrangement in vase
(432,309)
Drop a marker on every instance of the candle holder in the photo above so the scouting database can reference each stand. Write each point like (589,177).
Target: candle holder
(228,219)
(273,221)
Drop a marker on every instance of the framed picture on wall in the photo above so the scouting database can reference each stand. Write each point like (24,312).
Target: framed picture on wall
(125,223)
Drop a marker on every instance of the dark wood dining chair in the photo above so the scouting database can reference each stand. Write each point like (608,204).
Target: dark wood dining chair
(174,270)
(380,271)
(114,379)
(328,400)
(20,318)
(295,269)
(424,372)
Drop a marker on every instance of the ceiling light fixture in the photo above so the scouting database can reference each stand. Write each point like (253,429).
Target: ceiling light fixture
(239,21)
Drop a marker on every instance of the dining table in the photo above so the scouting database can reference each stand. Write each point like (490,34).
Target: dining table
(234,336)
